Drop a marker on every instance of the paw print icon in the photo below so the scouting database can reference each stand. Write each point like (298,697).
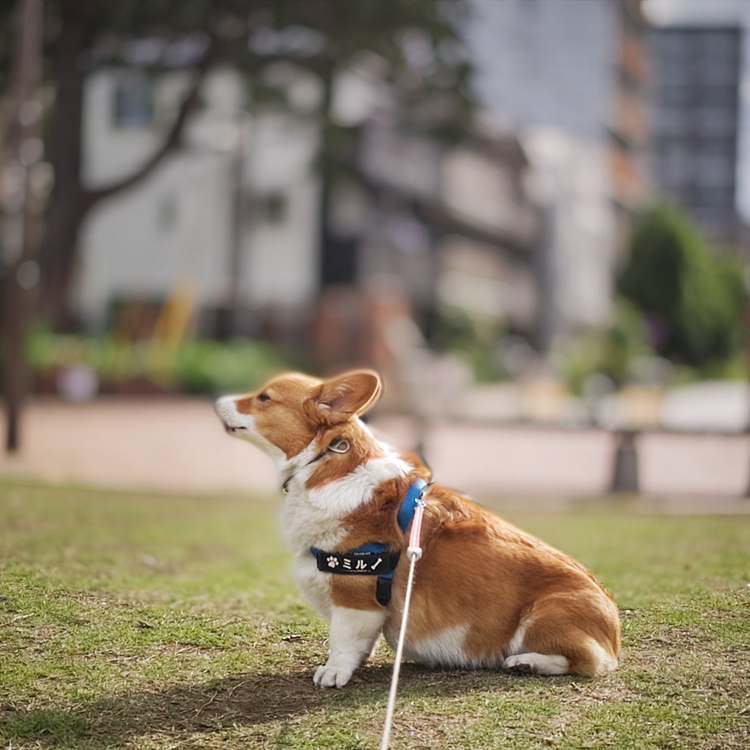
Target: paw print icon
(332,562)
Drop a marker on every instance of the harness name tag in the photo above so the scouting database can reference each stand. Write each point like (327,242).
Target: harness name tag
(356,563)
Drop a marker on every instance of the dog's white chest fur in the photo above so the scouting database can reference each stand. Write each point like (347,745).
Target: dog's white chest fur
(314,518)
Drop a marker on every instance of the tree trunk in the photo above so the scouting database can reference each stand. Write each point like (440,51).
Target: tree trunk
(71,201)
(338,261)
(57,258)
(20,285)
(67,204)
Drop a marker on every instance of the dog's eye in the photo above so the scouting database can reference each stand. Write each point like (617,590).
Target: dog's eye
(264,397)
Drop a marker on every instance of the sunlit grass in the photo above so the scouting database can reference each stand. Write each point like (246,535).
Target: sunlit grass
(141,621)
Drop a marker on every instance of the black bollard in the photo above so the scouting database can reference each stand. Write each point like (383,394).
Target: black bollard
(625,477)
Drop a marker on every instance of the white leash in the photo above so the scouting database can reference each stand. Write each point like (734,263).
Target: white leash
(413,552)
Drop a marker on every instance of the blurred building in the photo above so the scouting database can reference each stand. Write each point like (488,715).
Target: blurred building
(519,225)
(571,76)
(231,217)
(440,228)
(234,222)
(696,83)
(697,73)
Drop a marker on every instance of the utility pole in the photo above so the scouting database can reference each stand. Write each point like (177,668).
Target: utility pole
(237,235)
(746,279)
(22,206)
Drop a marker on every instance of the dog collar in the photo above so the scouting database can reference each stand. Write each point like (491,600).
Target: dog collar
(373,558)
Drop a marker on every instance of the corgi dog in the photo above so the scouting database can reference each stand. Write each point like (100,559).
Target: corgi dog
(485,593)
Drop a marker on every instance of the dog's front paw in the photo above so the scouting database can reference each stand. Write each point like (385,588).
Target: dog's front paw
(332,676)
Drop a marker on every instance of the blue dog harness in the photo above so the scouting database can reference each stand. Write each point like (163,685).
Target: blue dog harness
(373,558)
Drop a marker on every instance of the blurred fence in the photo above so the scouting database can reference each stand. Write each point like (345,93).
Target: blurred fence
(177,445)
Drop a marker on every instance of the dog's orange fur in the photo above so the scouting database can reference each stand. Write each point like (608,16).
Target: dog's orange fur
(477,572)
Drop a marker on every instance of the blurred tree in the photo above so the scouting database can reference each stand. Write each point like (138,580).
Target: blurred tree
(417,42)
(21,205)
(693,298)
(611,353)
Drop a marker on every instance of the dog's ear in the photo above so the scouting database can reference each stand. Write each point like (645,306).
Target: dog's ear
(348,395)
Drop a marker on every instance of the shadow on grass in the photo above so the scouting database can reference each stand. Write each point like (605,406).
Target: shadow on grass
(242,700)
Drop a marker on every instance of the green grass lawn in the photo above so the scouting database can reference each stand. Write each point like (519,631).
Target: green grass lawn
(139,621)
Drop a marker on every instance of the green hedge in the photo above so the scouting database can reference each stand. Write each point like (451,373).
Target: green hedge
(193,365)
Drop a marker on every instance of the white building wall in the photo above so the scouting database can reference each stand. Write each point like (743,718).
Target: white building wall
(132,248)
(280,258)
(573,179)
(280,267)
(548,68)
(546,62)
(175,227)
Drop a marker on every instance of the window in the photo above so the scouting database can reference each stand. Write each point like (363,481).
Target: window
(133,100)
(274,208)
(166,217)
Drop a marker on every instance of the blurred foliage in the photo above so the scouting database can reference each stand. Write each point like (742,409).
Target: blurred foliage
(211,366)
(681,301)
(692,296)
(610,352)
(409,50)
(413,45)
(473,339)
(192,365)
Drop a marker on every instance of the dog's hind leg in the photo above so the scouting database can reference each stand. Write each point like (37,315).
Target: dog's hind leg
(567,634)
(582,656)
(533,663)
(557,647)
(351,639)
